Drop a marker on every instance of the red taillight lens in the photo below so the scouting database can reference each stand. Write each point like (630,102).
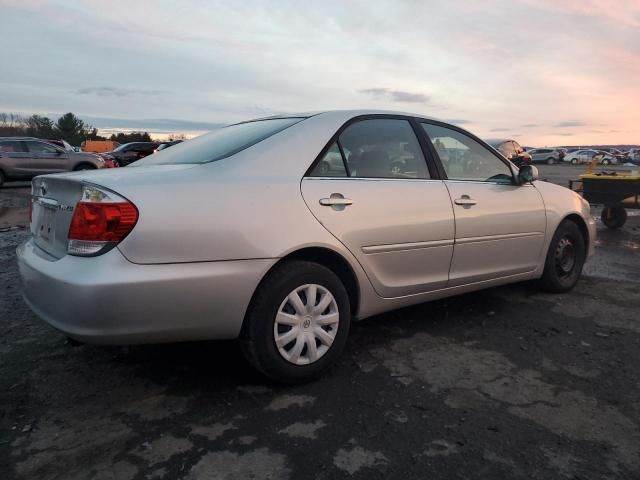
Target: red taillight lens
(102,221)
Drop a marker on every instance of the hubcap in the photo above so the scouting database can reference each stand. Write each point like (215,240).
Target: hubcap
(565,257)
(306,324)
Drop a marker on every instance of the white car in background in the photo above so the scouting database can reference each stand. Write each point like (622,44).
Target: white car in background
(587,155)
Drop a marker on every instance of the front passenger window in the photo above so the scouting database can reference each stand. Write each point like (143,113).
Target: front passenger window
(463,158)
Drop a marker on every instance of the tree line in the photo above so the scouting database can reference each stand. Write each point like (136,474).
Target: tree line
(68,127)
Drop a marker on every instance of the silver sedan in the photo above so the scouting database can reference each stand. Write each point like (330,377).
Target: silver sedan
(245,233)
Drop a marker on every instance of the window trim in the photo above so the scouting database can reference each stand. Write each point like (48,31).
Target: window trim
(462,131)
(430,163)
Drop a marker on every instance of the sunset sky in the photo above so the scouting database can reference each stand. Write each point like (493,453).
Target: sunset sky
(563,72)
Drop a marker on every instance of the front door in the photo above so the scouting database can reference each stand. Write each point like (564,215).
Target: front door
(500,226)
(381,203)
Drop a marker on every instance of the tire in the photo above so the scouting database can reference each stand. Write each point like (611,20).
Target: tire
(605,161)
(271,302)
(574,161)
(614,217)
(565,258)
(551,161)
(83,166)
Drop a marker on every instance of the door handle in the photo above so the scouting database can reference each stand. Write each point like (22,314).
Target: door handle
(336,201)
(465,201)
(333,201)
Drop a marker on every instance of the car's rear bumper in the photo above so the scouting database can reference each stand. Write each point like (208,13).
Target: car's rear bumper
(109,300)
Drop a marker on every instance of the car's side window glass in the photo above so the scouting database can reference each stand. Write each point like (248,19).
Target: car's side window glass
(41,147)
(11,146)
(383,148)
(463,158)
(331,164)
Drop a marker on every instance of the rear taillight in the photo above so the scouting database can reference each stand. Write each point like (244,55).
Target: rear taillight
(101,219)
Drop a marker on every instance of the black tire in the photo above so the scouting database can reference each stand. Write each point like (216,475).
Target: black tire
(84,166)
(614,217)
(605,161)
(257,338)
(2,179)
(565,258)
(551,161)
(574,161)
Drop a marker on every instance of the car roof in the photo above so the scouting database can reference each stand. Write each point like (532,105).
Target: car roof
(345,113)
(498,141)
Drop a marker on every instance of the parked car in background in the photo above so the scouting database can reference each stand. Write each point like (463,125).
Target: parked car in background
(633,155)
(259,242)
(618,154)
(128,153)
(545,155)
(22,158)
(587,155)
(164,145)
(562,152)
(511,151)
(62,144)
(99,146)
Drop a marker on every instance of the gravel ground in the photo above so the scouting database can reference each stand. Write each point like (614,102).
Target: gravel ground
(505,383)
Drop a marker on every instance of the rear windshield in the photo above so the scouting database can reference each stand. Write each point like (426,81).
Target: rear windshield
(220,143)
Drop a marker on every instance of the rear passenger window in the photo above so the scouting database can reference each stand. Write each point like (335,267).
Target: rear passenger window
(331,165)
(10,146)
(376,148)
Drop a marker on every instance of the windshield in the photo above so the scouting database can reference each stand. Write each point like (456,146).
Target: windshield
(120,147)
(220,143)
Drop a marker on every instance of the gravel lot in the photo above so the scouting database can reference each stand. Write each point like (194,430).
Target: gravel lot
(505,383)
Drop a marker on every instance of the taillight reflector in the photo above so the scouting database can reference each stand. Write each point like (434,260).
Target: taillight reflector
(102,221)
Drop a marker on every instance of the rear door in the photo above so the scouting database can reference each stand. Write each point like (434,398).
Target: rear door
(382,204)
(500,226)
(47,158)
(15,161)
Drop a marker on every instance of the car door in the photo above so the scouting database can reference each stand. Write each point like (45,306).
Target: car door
(47,158)
(15,161)
(500,226)
(383,205)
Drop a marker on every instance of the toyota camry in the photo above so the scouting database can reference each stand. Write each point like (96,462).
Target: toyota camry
(246,233)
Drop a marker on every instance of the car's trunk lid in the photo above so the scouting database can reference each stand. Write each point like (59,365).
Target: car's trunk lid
(55,198)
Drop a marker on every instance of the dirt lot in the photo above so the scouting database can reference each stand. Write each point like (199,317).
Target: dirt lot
(506,383)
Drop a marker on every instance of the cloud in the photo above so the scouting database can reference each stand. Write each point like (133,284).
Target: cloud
(456,121)
(116,92)
(500,129)
(395,95)
(569,123)
(530,125)
(561,134)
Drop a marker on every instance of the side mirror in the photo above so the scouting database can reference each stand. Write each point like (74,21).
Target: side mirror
(527,174)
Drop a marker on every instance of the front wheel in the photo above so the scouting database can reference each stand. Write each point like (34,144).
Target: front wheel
(551,161)
(565,258)
(298,322)
(574,161)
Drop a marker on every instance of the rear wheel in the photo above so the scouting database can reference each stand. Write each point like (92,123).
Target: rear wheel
(605,161)
(565,258)
(298,322)
(551,161)
(574,161)
(614,217)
